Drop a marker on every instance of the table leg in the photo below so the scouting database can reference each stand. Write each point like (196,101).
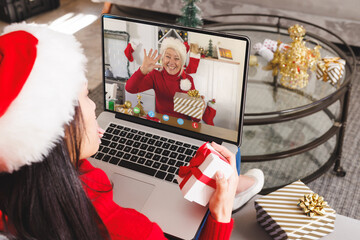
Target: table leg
(339,171)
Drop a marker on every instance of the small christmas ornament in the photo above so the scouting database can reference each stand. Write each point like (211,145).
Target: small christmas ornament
(127,104)
(185,84)
(139,109)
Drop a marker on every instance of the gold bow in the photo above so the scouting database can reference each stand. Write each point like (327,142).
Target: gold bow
(327,62)
(312,204)
(193,93)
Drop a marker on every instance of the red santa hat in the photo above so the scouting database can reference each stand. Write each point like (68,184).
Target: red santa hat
(175,44)
(41,75)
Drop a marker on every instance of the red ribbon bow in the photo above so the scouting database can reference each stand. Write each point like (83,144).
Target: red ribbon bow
(186,172)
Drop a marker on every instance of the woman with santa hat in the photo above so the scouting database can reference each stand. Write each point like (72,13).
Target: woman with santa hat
(48,190)
(171,78)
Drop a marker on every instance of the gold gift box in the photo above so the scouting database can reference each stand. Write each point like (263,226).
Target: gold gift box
(330,70)
(281,217)
(189,106)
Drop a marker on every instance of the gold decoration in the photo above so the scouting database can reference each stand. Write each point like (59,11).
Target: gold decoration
(139,105)
(293,63)
(127,104)
(312,204)
(193,93)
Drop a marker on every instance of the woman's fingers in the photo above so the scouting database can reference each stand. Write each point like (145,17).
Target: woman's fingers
(154,54)
(225,152)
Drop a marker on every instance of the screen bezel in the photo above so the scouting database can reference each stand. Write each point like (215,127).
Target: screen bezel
(168,128)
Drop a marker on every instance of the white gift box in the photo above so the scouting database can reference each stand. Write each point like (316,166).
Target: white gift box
(197,191)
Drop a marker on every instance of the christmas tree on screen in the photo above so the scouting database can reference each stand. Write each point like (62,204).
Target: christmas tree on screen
(190,14)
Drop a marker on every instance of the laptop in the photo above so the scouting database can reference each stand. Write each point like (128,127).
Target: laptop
(143,147)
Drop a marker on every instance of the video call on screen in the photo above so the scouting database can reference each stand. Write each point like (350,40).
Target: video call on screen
(217,64)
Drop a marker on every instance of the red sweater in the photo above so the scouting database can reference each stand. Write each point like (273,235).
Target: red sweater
(125,223)
(164,85)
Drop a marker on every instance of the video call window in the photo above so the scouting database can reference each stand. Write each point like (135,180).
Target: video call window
(198,89)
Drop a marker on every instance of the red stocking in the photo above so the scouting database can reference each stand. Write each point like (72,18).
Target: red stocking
(130,48)
(210,112)
(193,63)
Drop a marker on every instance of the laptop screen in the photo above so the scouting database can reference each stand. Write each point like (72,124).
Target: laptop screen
(184,80)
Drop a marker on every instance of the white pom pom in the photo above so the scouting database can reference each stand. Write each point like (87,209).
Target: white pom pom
(185,84)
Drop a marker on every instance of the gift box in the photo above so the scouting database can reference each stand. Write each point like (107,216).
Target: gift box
(122,108)
(273,45)
(189,105)
(330,70)
(282,217)
(197,180)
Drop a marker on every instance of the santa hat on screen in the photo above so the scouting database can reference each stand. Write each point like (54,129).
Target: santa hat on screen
(130,48)
(194,60)
(41,75)
(181,49)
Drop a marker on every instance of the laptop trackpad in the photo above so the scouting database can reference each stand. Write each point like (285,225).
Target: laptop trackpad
(130,192)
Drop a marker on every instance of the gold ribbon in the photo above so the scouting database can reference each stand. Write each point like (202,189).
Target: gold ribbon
(193,93)
(327,62)
(312,204)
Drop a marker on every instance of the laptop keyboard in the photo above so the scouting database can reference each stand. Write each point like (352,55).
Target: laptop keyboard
(144,152)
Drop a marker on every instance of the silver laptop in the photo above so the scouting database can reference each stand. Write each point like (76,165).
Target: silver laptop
(143,147)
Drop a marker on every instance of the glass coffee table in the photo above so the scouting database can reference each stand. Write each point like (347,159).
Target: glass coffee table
(291,134)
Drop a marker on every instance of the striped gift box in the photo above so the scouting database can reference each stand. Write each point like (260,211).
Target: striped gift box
(334,68)
(190,106)
(281,218)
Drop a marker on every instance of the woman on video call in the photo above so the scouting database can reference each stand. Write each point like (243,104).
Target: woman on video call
(171,77)
(48,190)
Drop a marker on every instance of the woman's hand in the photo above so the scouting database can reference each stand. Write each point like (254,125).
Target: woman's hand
(149,62)
(222,200)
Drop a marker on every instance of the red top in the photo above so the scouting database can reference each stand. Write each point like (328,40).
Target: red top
(125,223)
(165,87)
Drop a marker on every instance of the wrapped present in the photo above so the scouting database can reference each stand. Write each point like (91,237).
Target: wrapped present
(295,212)
(197,180)
(263,51)
(274,45)
(190,104)
(123,108)
(330,70)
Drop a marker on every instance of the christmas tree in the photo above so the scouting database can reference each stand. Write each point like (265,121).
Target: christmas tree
(190,14)
(210,49)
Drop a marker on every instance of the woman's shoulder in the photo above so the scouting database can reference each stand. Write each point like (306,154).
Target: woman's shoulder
(92,176)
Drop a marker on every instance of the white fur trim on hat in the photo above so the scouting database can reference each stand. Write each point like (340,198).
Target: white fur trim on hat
(175,44)
(34,122)
(185,84)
